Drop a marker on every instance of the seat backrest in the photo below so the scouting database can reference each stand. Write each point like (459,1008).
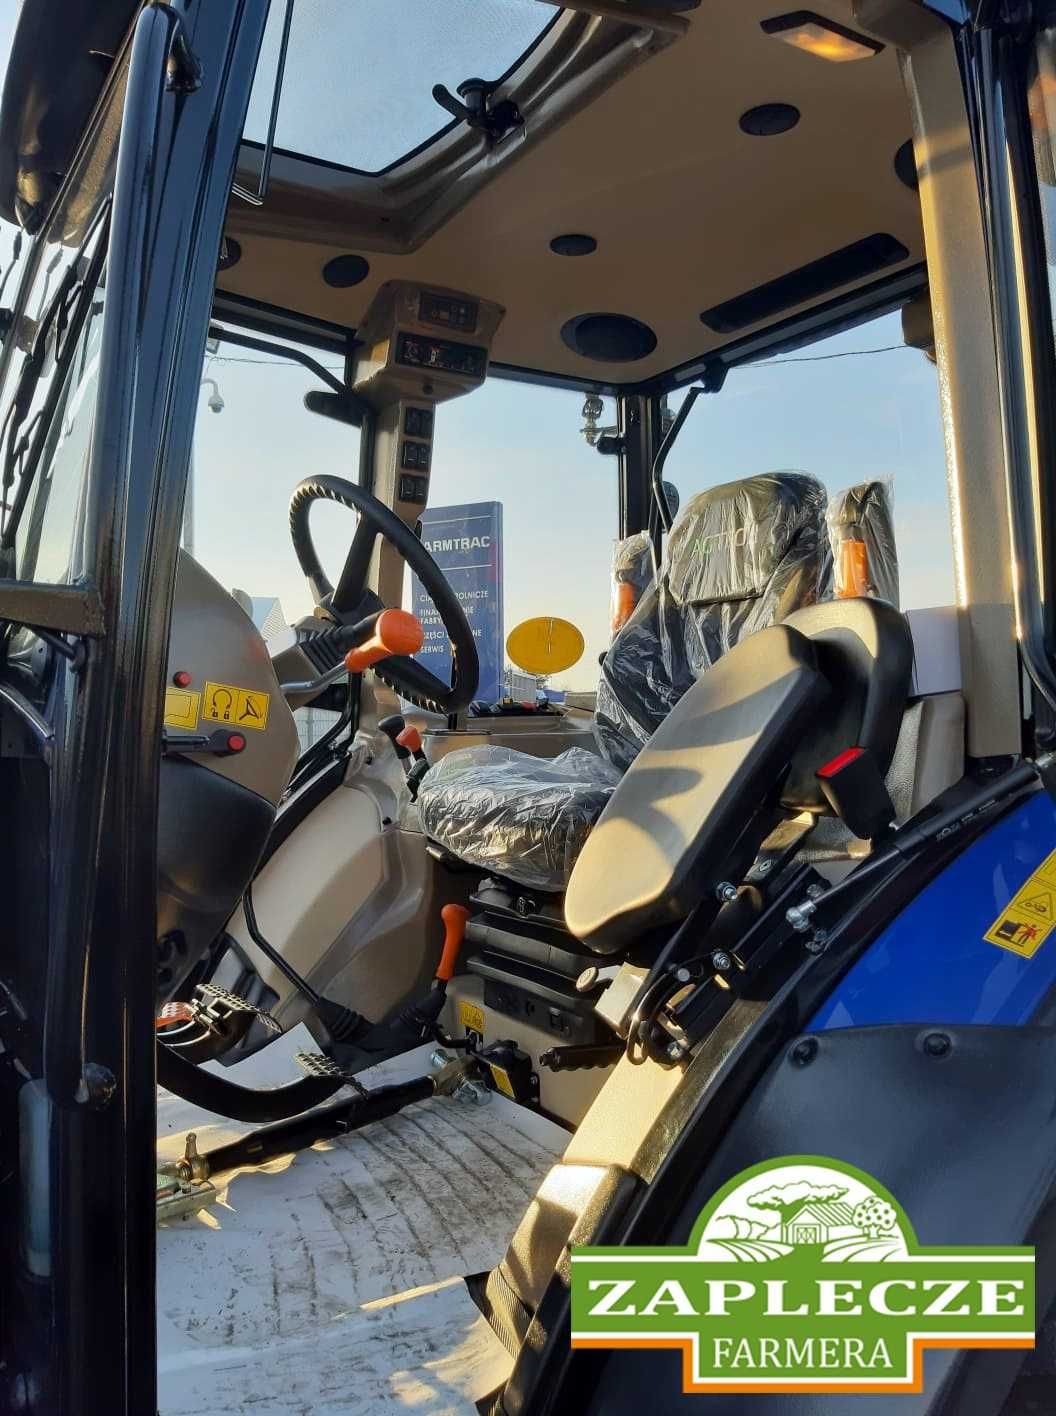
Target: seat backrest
(687,797)
(740,557)
(862,535)
(753,730)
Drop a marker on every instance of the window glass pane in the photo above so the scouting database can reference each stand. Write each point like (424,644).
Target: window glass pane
(856,407)
(359,73)
(521,446)
(254,441)
(46,454)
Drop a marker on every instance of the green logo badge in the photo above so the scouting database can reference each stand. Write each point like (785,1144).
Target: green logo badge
(802,1274)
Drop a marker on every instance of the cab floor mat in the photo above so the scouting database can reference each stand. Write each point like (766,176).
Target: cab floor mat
(332,1280)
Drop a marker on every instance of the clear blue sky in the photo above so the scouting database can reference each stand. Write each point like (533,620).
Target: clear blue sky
(843,420)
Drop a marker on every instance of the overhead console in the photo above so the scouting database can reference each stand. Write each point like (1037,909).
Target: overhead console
(417,346)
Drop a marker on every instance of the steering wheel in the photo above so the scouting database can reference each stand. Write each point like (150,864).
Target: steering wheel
(352,599)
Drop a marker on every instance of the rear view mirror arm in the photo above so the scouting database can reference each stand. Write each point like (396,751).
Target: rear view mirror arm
(286,351)
(713,381)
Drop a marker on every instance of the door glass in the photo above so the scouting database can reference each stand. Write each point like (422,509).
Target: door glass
(854,408)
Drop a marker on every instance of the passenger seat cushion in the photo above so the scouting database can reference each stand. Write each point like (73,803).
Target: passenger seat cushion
(740,557)
(522,817)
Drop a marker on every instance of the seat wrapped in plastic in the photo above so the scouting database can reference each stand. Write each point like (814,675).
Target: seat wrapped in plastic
(518,816)
(862,535)
(740,557)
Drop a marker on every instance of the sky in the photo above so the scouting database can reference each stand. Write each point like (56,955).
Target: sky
(844,420)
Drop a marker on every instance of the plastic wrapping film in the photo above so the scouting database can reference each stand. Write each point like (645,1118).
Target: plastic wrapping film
(862,534)
(633,572)
(523,817)
(740,557)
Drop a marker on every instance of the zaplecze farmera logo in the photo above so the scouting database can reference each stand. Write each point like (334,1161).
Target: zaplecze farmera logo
(803,1274)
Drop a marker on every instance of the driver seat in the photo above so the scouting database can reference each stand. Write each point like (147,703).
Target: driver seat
(742,556)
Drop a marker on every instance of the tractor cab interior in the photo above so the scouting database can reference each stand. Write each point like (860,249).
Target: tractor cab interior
(720,230)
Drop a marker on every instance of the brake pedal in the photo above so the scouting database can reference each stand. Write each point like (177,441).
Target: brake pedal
(316,1064)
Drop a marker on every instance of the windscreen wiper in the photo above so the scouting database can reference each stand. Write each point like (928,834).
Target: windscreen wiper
(62,321)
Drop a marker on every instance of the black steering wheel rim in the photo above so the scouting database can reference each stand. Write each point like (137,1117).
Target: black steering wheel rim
(404,675)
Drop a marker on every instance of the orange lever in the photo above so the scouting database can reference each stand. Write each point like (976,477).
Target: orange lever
(411,739)
(395,632)
(455,918)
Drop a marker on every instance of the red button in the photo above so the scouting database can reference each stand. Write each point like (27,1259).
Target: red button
(235,742)
(845,758)
(182,679)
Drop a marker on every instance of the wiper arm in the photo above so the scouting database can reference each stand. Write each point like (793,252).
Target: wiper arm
(79,277)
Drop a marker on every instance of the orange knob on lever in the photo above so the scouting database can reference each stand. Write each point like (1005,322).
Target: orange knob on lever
(395,632)
(411,739)
(455,918)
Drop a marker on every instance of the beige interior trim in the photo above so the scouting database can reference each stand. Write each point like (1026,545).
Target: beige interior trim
(967,368)
(687,209)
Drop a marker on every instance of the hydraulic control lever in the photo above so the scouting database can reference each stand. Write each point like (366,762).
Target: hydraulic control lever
(421,1017)
(411,741)
(407,745)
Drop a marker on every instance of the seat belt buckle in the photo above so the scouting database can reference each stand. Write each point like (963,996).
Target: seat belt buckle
(854,788)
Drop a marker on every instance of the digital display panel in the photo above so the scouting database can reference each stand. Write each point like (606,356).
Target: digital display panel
(420,352)
(448,311)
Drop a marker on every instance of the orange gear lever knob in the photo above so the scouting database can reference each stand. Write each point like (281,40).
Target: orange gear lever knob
(395,632)
(411,739)
(455,918)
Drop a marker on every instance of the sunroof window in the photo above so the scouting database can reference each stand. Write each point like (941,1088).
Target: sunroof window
(359,76)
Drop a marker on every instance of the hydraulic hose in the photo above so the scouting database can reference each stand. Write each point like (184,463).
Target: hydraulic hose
(213,1093)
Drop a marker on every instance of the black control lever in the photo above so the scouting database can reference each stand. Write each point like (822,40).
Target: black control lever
(222,743)
(582,1056)
(477,110)
(392,727)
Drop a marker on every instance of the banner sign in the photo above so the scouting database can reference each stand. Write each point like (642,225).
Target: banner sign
(466,543)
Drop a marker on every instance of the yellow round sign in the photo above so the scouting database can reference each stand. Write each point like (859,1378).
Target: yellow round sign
(544,645)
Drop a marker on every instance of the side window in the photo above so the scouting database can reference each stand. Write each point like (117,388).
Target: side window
(857,407)
(254,441)
(49,414)
(511,457)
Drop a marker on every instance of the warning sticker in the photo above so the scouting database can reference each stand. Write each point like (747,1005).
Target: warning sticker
(502,1080)
(1030,916)
(241,707)
(181,708)
(472,1017)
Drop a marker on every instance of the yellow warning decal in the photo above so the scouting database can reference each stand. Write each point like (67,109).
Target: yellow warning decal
(472,1017)
(502,1080)
(181,708)
(238,707)
(1030,916)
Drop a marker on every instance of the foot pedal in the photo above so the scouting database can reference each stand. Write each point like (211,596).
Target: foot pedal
(210,1024)
(317,1065)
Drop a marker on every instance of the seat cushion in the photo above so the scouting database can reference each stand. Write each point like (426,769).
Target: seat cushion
(521,817)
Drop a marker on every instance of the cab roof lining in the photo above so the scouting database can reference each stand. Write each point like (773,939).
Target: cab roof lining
(689,211)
